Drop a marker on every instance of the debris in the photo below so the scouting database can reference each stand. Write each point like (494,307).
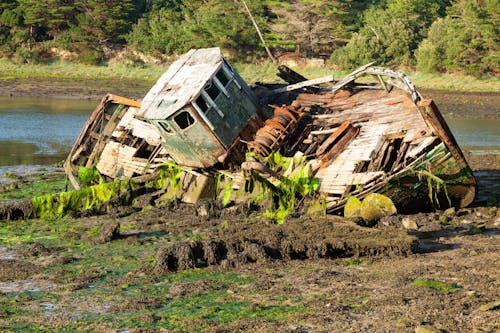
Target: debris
(490,306)
(409,224)
(356,138)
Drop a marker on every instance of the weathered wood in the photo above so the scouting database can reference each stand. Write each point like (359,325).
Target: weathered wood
(415,151)
(289,75)
(338,148)
(292,77)
(344,127)
(299,85)
(435,120)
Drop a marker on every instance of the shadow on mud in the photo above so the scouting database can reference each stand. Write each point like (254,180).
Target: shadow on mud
(488,188)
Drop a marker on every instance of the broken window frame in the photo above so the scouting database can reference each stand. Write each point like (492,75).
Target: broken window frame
(230,72)
(190,124)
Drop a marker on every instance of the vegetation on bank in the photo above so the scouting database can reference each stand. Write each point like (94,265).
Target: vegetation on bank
(265,72)
(433,36)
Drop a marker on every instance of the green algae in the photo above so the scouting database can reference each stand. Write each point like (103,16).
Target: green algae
(293,183)
(437,285)
(92,197)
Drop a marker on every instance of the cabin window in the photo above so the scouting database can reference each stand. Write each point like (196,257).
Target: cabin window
(205,104)
(223,77)
(202,105)
(184,120)
(212,90)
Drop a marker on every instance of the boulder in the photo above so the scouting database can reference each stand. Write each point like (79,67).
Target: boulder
(375,206)
(352,207)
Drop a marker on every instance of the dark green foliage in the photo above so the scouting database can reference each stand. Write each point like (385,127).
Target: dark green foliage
(390,33)
(186,25)
(463,34)
(467,39)
(311,27)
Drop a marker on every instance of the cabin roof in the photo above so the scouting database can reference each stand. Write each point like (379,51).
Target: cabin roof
(181,83)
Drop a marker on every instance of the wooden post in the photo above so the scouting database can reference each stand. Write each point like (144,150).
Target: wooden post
(258,31)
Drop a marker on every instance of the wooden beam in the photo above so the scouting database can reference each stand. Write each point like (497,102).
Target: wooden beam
(299,85)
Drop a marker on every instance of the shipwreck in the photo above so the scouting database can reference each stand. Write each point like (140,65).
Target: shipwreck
(371,131)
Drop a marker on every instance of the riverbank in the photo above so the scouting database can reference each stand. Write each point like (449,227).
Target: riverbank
(75,81)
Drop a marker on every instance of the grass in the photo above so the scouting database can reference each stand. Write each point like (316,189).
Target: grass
(265,72)
(353,262)
(67,70)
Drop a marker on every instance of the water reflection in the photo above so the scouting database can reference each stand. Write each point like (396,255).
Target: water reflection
(478,135)
(39,131)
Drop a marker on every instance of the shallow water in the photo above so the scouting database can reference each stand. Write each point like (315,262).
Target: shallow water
(476,135)
(37,131)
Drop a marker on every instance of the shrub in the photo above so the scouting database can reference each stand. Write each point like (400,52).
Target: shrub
(24,55)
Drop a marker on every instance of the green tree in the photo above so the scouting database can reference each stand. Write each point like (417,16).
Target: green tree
(161,31)
(194,24)
(105,21)
(391,33)
(466,40)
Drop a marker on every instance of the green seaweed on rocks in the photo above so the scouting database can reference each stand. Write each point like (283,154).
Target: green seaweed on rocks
(169,178)
(89,175)
(61,204)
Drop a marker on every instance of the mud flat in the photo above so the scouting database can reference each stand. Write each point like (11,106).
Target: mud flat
(200,268)
(92,89)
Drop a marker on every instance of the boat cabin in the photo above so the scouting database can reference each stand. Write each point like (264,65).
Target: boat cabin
(200,106)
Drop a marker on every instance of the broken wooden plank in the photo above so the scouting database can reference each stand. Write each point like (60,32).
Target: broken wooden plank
(333,137)
(350,133)
(299,85)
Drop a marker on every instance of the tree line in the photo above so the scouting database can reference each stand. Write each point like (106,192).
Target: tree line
(431,35)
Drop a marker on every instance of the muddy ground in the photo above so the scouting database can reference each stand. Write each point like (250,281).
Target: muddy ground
(198,268)
(92,89)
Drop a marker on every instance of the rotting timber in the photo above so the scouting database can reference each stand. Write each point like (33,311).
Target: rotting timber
(370,132)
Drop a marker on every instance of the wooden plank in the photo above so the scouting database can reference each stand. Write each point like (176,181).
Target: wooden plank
(435,120)
(299,85)
(341,130)
(339,147)
(415,151)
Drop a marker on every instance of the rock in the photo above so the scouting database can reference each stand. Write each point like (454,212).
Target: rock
(444,219)
(497,221)
(490,306)
(409,224)
(427,329)
(352,207)
(375,206)
(450,212)
(316,208)
(202,211)
(109,232)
